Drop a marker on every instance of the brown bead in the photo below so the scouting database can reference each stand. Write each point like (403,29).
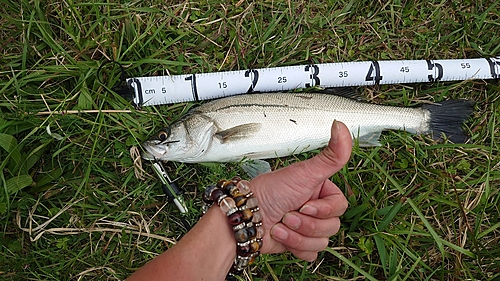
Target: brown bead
(236,193)
(252,232)
(252,259)
(221,183)
(216,194)
(247,214)
(260,242)
(254,246)
(240,200)
(230,188)
(235,219)
(243,250)
(241,235)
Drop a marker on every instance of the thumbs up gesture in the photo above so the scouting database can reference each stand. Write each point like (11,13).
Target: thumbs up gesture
(299,204)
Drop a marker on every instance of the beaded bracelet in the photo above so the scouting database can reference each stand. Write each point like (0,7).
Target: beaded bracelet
(236,200)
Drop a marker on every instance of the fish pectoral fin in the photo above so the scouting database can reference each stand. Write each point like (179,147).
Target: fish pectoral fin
(255,167)
(238,132)
(369,139)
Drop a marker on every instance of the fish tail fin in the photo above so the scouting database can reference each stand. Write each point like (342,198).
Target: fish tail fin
(448,117)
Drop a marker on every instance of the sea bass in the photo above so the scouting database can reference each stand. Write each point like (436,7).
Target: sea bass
(260,126)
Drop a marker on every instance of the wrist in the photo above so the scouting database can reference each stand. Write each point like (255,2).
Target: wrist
(236,201)
(268,244)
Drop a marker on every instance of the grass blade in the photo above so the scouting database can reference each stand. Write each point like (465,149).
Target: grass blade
(351,264)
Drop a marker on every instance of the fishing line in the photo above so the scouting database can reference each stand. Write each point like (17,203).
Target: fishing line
(121,86)
(155,90)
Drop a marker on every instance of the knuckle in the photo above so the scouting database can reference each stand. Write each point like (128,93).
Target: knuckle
(311,228)
(299,243)
(328,156)
(328,210)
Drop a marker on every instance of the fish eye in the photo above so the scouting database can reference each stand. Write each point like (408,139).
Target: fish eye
(162,136)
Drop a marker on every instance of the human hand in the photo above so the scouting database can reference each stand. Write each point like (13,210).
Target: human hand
(299,204)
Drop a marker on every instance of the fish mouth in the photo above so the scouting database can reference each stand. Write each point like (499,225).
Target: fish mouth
(146,155)
(150,151)
(156,149)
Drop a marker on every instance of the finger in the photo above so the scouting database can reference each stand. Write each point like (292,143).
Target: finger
(310,173)
(297,241)
(328,206)
(329,188)
(311,227)
(307,256)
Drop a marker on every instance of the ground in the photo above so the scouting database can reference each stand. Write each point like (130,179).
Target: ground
(74,204)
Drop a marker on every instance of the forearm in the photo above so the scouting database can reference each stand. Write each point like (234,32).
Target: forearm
(204,253)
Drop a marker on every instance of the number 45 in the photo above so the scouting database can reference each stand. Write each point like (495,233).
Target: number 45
(405,69)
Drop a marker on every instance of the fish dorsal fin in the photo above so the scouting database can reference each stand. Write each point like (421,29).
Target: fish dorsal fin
(238,132)
(346,92)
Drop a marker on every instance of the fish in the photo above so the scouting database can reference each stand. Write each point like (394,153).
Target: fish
(271,125)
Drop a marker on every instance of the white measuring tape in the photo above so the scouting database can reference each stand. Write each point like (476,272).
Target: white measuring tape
(193,87)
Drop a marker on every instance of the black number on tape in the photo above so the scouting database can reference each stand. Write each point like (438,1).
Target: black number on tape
(314,76)
(439,67)
(465,65)
(493,69)
(343,74)
(374,67)
(194,90)
(255,79)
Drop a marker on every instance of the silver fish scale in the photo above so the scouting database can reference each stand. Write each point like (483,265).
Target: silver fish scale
(291,123)
(313,109)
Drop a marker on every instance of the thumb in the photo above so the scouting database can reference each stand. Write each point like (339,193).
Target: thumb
(314,171)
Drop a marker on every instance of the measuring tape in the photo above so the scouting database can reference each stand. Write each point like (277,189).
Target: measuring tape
(193,87)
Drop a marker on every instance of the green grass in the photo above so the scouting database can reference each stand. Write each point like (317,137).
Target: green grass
(74,208)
